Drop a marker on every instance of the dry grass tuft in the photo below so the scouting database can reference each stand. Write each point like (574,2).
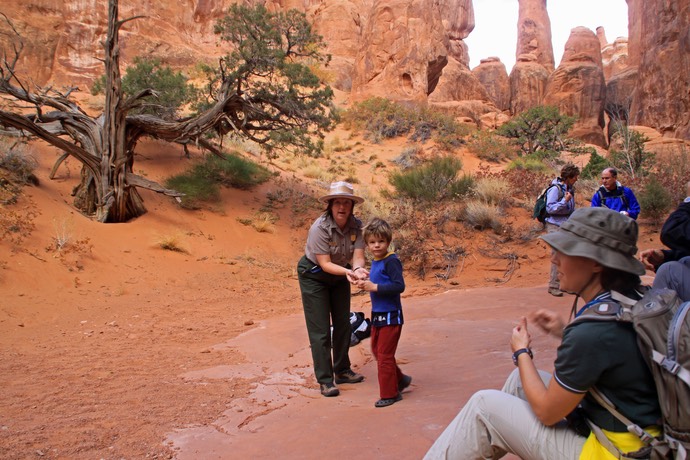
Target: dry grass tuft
(171,243)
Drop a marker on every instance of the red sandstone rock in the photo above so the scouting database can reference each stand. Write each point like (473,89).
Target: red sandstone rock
(534,32)
(527,84)
(662,99)
(493,75)
(578,88)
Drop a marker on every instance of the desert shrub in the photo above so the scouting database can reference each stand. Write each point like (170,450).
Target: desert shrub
(463,186)
(446,131)
(528,163)
(232,171)
(381,118)
(482,215)
(628,153)
(655,200)
(594,167)
(201,183)
(541,130)
(409,157)
(673,172)
(196,189)
(431,181)
(489,146)
(493,190)
(15,158)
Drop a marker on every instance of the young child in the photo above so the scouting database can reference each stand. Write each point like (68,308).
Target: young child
(385,285)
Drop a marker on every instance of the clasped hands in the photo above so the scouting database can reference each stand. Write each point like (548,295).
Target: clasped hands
(549,321)
(360,279)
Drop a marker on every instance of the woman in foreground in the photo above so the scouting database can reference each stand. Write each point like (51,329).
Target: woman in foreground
(535,415)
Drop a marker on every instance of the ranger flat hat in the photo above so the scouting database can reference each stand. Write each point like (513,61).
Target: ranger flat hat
(341,189)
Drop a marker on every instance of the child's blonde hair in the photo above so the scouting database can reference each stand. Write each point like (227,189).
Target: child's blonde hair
(378,227)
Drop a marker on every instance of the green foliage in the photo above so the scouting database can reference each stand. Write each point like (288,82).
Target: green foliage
(233,171)
(594,167)
(270,69)
(655,200)
(629,154)
(171,88)
(489,146)
(541,129)
(202,182)
(431,182)
(527,163)
(381,118)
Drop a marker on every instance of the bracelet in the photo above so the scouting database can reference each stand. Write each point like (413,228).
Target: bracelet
(521,351)
(355,269)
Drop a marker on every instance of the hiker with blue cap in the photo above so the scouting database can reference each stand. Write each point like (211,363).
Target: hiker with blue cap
(541,416)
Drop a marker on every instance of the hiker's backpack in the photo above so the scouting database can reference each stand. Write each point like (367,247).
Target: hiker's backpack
(620,194)
(539,212)
(361,327)
(662,323)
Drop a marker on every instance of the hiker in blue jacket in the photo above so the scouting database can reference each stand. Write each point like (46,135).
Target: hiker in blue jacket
(615,196)
(560,204)
(672,265)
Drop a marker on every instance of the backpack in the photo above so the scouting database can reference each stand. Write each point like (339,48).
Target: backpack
(361,327)
(539,212)
(662,323)
(620,194)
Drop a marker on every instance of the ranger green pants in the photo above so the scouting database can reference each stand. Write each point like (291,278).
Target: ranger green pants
(326,301)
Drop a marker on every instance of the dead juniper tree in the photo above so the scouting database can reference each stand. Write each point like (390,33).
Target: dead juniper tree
(263,90)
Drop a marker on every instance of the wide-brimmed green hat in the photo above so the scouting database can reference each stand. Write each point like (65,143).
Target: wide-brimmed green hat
(600,234)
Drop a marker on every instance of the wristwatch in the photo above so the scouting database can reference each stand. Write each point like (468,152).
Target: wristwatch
(521,351)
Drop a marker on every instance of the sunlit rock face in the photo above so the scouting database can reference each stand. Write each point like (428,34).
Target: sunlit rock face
(410,50)
(493,75)
(660,48)
(64,37)
(578,88)
(527,83)
(534,33)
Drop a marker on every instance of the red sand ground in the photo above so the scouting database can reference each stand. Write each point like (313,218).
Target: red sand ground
(117,349)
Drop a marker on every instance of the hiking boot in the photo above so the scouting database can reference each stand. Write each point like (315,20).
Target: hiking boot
(404,383)
(348,376)
(329,389)
(384,402)
(555,292)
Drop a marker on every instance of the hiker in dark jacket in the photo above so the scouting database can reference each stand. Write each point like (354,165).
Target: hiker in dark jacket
(615,196)
(672,265)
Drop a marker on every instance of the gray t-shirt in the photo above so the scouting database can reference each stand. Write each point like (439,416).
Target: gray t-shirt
(325,237)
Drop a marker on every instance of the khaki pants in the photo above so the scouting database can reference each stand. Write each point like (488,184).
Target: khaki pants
(553,277)
(494,423)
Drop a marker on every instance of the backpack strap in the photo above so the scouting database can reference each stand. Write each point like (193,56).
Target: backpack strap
(669,362)
(620,194)
(632,427)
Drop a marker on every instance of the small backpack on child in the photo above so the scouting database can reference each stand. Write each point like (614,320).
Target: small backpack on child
(662,323)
